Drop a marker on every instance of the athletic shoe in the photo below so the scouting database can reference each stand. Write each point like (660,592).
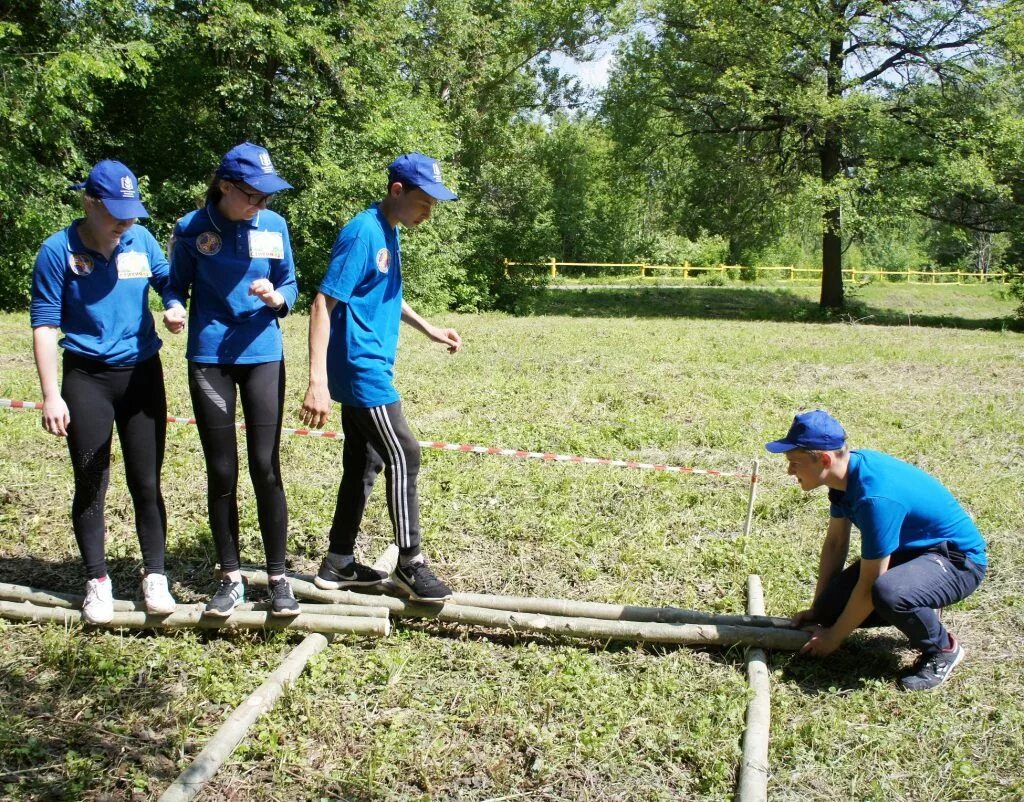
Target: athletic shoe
(228,596)
(934,669)
(282,600)
(420,582)
(98,607)
(158,598)
(353,575)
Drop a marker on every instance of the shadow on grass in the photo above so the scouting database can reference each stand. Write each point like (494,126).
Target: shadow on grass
(863,658)
(734,303)
(63,709)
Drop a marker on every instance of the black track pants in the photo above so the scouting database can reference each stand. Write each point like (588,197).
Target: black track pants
(132,398)
(214,389)
(377,438)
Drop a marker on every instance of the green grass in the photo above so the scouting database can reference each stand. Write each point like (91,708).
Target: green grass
(442,712)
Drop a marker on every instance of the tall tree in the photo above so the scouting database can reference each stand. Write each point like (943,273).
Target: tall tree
(824,88)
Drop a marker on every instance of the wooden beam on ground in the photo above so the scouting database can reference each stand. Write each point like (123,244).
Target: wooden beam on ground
(231,733)
(70,601)
(193,618)
(573,627)
(561,607)
(753,779)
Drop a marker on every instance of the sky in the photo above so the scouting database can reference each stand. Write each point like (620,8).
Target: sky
(592,74)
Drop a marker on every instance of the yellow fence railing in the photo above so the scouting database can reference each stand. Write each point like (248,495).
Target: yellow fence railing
(788,272)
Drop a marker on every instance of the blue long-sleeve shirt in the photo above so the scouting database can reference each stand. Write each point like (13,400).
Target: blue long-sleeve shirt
(214,260)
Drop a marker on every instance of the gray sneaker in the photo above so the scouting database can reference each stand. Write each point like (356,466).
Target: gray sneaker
(282,600)
(228,596)
(933,669)
(353,575)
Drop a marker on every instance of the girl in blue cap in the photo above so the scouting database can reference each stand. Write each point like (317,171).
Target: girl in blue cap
(91,281)
(234,258)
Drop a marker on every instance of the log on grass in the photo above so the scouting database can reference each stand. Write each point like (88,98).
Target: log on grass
(753,779)
(72,601)
(585,609)
(387,561)
(51,598)
(614,612)
(541,606)
(193,618)
(575,627)
(231,733)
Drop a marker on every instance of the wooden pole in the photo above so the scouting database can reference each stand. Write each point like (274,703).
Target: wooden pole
(193,618)
(753,780)
(70,601)
(219,748)
(573,627)
(754,475)
(542,606)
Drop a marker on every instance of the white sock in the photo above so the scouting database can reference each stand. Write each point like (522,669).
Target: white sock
(411,559)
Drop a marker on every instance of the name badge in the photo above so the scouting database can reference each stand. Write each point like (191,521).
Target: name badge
(266,245)
(132,264)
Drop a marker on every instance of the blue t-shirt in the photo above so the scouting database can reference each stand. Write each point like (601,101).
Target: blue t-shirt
(101,306)
(365,277)
(898,507)
(214,260)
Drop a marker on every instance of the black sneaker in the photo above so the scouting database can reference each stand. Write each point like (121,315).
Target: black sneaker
(420,582)
(353,575)
(282,600)
(933,669)
(229,595)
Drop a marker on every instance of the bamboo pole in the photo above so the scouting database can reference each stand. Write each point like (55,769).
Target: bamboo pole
(574,627)
(753,780)
(49,598)
(754,476)
(193,618)
(231,733)
(539,605)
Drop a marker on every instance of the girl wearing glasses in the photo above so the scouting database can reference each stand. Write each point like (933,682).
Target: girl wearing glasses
(233,257)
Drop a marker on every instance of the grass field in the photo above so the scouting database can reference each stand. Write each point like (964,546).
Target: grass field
(699,377)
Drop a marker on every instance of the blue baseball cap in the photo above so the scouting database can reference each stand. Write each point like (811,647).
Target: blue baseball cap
(815,431)
(251,163)
(422,172)
(118,188)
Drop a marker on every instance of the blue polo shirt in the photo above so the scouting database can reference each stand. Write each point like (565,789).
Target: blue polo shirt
(101,306)
(898,507)
(214,260)
(365,276)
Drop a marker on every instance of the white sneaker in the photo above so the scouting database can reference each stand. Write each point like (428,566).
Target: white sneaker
(98,607)
(159,600)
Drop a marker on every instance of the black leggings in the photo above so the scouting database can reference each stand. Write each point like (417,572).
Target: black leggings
(132,398)
(376,439)
(261,387)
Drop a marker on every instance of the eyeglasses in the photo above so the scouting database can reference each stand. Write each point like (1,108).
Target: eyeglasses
(255,198)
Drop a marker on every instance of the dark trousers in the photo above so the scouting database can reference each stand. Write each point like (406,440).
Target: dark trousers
(907,594)
(214,389)
(376,439)
(100,397)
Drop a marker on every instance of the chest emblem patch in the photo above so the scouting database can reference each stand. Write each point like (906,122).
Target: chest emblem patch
(208,243)
(81,264)
(383,260)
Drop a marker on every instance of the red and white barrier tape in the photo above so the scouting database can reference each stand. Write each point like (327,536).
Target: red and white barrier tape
(467,448)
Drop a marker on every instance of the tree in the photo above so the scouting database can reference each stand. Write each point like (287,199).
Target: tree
(824,89)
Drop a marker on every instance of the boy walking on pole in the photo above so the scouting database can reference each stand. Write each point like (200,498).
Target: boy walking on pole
(920,551)
(353,337)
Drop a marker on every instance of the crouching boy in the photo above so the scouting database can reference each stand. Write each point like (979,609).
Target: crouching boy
(920,551)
